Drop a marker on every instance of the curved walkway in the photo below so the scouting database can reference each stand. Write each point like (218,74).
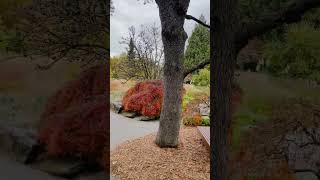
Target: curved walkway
(123,128)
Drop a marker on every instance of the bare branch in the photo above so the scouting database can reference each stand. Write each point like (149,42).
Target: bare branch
(189,17)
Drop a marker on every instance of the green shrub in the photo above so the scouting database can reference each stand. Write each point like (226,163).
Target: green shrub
(187,99)
(202,78)
(205,121)
(297,55)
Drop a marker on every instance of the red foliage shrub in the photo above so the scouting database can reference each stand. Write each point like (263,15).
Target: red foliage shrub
(91,82)
(144,98)
(74,121)
(80,130)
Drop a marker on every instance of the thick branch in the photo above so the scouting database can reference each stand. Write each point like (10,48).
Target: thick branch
(288,15)
(198,66)
(189,17)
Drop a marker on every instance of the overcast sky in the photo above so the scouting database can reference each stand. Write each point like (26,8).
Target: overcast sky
(134,13)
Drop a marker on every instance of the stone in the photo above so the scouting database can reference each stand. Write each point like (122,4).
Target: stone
(302,153)
(67,168)
(204,109)
(146,118)
(129,114)
(305,176)
(20,142)
(117,106)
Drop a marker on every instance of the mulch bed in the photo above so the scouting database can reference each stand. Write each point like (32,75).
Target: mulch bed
(143,159)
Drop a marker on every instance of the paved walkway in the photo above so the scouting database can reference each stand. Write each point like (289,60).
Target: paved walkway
(123,128)
(12,170)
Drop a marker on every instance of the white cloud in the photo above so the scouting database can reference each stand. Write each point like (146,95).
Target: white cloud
(134,12)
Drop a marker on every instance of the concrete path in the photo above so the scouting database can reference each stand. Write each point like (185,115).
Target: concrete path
(12,170)
(123,128)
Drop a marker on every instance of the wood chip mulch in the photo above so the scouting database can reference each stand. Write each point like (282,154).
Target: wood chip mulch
(141,159)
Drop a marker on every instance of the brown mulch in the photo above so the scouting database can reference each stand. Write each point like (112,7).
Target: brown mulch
(143,159)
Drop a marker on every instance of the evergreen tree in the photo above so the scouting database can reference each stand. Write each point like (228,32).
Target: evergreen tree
(198,48)
(131,51)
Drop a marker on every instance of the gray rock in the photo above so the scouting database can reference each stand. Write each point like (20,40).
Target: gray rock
(129,114)
(18,141)
(204,109)
(302,153)
(305,176)
(117,106)
(146,118)
(61,167)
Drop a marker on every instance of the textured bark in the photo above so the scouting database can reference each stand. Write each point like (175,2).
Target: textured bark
(172,16)
(223,60)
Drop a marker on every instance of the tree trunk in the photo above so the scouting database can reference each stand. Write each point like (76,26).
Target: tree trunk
(223,61)
(172,16)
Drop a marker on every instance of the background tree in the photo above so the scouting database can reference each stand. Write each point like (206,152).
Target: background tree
(198,48)
(64,30)
(144,52)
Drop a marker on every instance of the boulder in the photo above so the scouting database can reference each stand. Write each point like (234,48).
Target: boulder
(146,118)
(117,106)
(302,152)
(67,168)
(305,176)
(129,114)
(21,143)
(204,109)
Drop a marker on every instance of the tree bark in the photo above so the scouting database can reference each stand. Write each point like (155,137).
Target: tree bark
(172,16)
(223,61)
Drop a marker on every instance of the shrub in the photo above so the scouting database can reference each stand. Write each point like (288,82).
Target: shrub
(205,121)
(194,120)
(74,122)
(297,55)
(79,131)
(202,78)
(144,98)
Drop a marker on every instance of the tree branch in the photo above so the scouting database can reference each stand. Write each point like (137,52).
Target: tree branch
(198,66)
(189,17)
(289,15)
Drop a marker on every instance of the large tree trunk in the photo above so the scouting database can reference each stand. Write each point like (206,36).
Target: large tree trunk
(223,60)
(172,15)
